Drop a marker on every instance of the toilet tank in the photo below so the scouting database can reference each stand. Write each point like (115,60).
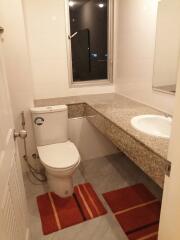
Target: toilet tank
(50,124)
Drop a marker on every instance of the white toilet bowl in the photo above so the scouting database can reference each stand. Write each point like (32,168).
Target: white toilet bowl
(59,156)
(60,161)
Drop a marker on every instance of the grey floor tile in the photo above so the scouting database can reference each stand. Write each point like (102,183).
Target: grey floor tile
(105,174)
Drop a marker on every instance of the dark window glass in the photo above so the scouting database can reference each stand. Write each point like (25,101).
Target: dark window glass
(89,34)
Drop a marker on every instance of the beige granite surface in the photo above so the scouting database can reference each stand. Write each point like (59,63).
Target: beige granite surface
(111,114)
(119,110)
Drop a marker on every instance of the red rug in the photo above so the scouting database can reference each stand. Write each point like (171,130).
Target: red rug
(136,210)
(57,213)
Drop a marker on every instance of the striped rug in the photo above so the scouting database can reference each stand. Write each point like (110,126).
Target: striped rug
(57,213)
(136,210)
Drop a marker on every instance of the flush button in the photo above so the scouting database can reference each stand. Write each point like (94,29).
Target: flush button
(39,121)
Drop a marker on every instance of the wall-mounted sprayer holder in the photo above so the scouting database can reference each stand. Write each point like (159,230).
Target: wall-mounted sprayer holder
(22,134)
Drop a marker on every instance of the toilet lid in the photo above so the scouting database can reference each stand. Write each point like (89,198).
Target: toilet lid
(59,155)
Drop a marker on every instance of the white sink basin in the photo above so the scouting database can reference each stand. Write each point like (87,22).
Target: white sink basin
(154,125)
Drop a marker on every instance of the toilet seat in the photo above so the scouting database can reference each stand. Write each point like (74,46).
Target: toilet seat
(62,156)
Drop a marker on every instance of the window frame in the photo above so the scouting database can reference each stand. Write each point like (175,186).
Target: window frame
(98,82)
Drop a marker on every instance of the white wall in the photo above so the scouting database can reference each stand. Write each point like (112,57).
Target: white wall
(46,26)
(17,67)
(136,27)
(89,141)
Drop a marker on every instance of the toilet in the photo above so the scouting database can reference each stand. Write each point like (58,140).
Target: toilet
(57,153)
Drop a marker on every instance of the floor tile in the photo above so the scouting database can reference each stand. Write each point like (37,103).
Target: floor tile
(105,174)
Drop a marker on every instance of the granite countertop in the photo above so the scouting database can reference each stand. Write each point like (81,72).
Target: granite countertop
(119,110)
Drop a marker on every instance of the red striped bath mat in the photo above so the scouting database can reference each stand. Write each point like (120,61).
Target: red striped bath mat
(57,213)
(136,210)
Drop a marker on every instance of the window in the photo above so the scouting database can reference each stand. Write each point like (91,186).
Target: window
(90,41)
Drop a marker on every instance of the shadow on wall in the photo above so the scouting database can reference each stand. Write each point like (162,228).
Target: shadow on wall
(89,141)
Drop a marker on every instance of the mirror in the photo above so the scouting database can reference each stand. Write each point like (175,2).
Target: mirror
(167,49)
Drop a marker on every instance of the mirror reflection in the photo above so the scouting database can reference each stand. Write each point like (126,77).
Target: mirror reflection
(167,50)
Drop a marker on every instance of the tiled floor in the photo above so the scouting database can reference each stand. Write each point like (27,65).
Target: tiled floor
(105,174)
